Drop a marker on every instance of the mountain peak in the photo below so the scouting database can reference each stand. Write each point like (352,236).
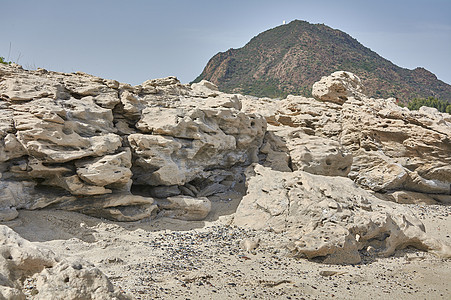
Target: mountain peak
(289,58)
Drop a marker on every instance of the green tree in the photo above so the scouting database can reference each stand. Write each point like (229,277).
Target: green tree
(2,61)
(440,105)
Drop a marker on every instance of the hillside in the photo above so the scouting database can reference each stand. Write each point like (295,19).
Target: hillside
(288,59)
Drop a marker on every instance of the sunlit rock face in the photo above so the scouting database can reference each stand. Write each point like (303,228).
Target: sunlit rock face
(74,139)
(314,169)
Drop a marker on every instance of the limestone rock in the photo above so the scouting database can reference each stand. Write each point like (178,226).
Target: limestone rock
(328,218)
(12,195)
(54,277)
(74,280)
(383,177)
(411,148)
(392,148)
(84,137)
(206,88)
(8,214)
(109,169)
(123,207)
(338,87)
(80,142)
(10,148)
(406,197)
(274,152)
(164,191)
(180,143)
(104,148)
(186,208)
(249,244)
(319,156)
(23,194)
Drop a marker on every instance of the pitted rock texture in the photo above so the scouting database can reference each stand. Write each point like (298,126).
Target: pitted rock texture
(338,87)
(329,218)
(392,148)
(71,139)
(82,143)
(47,276)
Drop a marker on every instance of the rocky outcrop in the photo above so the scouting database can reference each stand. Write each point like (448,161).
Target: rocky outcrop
(30,271)
(328,218)
(338,87)
(72,139)
(380,145)
(319,167)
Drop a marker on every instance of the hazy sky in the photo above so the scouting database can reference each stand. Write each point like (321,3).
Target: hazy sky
(132,41)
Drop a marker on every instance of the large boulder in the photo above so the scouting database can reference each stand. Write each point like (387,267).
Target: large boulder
(328,218)
(338,87)
(77,139)
(29,269)
(392,148)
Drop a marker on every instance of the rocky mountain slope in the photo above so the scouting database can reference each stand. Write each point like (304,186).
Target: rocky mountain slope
(323,174)
(288,59)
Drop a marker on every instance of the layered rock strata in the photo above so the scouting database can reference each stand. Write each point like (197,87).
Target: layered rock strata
(317,169)
(329,219)
(380,145)
(83,143)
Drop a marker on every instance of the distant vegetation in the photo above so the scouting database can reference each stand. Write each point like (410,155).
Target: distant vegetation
(2,61)
(288,59)
(440,105)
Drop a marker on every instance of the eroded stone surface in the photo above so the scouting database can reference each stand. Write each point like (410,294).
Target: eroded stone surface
(85,137)
(53,277)
(337,87)
(104,148)
(392,148)
(328,218)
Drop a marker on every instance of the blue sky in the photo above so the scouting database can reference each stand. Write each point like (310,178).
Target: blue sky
(132,41)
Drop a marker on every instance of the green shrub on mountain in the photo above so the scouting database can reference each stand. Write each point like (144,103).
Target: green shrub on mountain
(289,58)
(440,105)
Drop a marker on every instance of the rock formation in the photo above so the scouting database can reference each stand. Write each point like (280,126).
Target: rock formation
(28,270)
(83,143)
(380,145)
(108,149)
(329,218)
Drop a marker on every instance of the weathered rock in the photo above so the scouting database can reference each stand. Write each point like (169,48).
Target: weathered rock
(274,152)
(338,87)
(319,156)
(11,148)
(53,277)
(163,191)
(406,197)
(8,214)
(392,148)
(205,88)
(88,137)
(180,144)
(23,194)
(118,207)
(106,170)
(186,208)
(79,142)
(383,177)
(328,218)
(104,148)
(383,136)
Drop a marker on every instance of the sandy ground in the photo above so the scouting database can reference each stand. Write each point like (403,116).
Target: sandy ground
(173,259)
